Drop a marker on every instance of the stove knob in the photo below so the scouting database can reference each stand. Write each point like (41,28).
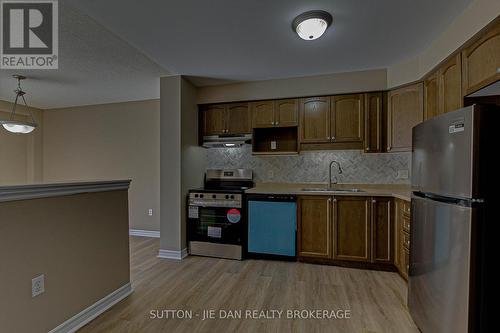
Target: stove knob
(201,195)
(196,195)
(214,196)
(227,196)
(232,196)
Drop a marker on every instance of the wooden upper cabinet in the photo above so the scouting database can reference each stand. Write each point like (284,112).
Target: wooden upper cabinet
(238,120)
(214,119)
(280,113)
(382,231)
(481,61)
(262,114)
(374,115)
(315,119)
(347,118)
(450,85)
(351,228)
(404,111)
(314,226)
(431,96)
(286,112)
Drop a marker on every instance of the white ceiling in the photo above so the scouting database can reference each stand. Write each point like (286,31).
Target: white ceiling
(116,50)
(253,40)
(95,67)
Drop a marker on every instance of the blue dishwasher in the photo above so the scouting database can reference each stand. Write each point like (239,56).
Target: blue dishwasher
(272,221)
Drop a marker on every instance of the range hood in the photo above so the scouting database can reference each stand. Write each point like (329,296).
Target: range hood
(226,140)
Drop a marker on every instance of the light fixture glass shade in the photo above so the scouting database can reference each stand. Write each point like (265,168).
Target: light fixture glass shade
(312,29)
(18,126)
(312,25)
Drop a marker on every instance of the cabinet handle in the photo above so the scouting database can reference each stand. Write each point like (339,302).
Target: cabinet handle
(333,138)
(367,149)
(374,201)
(277,123)
(272,122)
(329,199)
(334,200)
(498,70)
(328,137)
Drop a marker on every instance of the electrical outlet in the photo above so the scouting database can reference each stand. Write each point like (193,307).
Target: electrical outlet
(38,285)
(273,145)
(402,174)
(270,174)
(150,212)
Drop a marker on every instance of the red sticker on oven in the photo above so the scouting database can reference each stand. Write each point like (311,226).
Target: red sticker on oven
(233,215)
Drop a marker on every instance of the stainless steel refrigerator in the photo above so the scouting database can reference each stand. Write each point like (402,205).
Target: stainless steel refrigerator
(453,223)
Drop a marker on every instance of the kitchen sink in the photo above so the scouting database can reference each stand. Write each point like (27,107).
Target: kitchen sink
(323,189)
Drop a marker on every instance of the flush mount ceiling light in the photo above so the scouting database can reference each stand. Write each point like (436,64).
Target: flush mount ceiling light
(311,25)
(17,126)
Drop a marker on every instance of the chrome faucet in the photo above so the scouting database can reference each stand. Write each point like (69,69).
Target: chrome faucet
(335,179)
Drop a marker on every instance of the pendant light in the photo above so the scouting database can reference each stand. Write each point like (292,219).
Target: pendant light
(18,126)
(312,25)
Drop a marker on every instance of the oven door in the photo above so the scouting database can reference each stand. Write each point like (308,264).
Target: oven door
(215,224)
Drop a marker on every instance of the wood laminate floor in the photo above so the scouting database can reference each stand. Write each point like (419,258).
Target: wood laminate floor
(376,300)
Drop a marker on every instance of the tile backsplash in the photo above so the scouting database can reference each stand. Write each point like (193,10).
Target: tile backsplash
(312,166)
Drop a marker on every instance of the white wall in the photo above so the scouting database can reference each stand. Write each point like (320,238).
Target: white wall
(20,154)
(193,157)
(170,163)
(339,83)
(182,160)
(108,141)
(474,18)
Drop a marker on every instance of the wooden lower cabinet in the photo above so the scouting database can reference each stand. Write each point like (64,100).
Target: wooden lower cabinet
(314,226)
(402,236)
(382,233)
(352,228)
(346,229)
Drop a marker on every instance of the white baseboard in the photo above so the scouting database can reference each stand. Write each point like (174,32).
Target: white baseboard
(144,233)
(79,320)
(169,254)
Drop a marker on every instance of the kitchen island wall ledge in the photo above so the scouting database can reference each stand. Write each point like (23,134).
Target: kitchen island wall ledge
(72,233)
(42,190)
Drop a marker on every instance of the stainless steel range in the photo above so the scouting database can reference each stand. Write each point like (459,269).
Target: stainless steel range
(217,214)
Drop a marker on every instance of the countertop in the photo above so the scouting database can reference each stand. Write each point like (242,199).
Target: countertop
(377,190)
(44,190)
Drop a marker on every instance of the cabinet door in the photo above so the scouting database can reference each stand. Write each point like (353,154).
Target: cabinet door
(405,110)
(315,115)
(238,119)
(431,96)
(373,122)
(287,112)
(314,226)
(262,114)
(382,230)
(481,61)
(347,119)
(351,230)
(214,119)
(450,85)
